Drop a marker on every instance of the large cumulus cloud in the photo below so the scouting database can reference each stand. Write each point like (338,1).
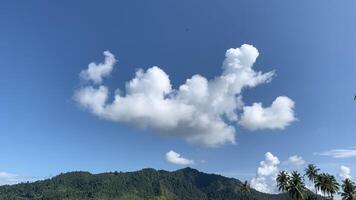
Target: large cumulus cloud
(265,179)
(200,110)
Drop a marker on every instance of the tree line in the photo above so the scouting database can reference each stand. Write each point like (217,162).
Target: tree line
(293,184)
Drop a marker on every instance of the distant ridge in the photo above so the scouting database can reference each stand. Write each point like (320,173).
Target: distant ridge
(150,184)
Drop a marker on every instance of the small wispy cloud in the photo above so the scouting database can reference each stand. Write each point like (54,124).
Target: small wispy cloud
(8,178)
(345,172)
(339,153)
(96,72)
(295,160)
(176,158)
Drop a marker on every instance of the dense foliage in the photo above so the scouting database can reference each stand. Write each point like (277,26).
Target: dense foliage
(348,190)
(293,184)
(182,184)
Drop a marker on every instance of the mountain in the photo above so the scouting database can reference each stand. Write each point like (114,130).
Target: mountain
(184,184)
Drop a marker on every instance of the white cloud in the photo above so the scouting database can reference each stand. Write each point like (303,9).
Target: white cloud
(200,110)
(8,179)
(96,72)
(260,184)
(93,98)
(295,160)
(269,165)
(264,181)
(279,115)
(345,172)
(339,153)
(176,158)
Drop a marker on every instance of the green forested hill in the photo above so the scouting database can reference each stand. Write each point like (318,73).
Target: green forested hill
(182,184)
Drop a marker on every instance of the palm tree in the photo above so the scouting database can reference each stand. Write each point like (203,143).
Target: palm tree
(327,184)
(245,188)
(282,181)
(332,185)
(320,183)
(312,173)
(296,187)
(348,190)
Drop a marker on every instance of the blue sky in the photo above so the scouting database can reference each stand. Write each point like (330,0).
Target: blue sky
(44,47)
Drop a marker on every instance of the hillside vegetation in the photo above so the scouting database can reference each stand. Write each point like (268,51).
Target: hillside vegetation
(184,184)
